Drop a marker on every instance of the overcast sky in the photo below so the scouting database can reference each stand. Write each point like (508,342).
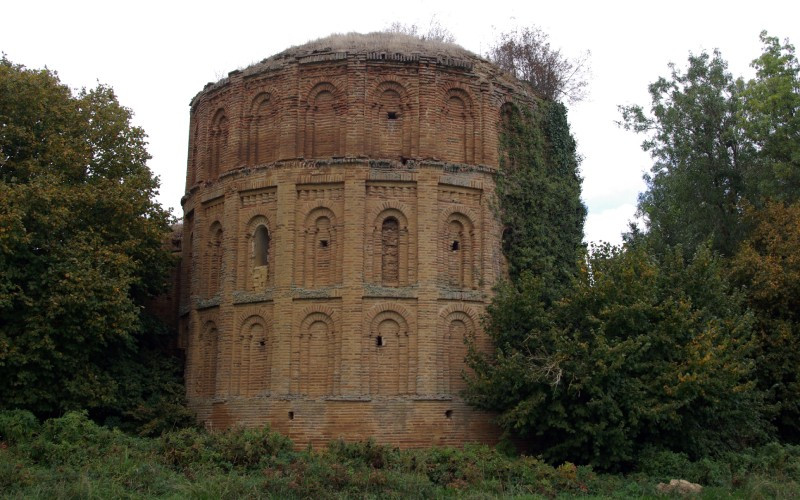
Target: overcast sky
(158,55)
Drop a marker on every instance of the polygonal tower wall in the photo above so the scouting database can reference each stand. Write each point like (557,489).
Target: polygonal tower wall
(339,241)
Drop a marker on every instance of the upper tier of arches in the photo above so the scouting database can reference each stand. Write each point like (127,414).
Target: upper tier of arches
(348,107)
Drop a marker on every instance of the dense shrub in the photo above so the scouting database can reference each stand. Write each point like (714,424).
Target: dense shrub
(73,457)
(639,352)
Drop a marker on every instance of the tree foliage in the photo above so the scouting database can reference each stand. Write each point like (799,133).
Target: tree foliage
(699,155)
(526,53)
(686,338)
(81,244)
(767,267)
(639,352)
(771,120)
(727,170)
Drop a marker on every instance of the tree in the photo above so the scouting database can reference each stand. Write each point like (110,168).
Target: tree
(767,268)
(639,352)
(81,245)
(727,170)
(700,152)
(771,120)
(527,55)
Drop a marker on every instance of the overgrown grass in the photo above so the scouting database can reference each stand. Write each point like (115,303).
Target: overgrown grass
(72,457)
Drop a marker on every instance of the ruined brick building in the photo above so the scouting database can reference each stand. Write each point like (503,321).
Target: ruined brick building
(339,240)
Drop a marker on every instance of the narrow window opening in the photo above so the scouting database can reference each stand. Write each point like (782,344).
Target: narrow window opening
(448,414)
(379,341)
(291,415)
(392,115)
(261,246)
(323,243)
(454,246)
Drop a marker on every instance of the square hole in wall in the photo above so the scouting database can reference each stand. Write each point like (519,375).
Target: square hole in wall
(392,115)
(448,414)
(291,415)
(454,246)
(323,243)
(379,341)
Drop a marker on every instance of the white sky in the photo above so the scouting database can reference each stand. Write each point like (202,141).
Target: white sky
(158,55)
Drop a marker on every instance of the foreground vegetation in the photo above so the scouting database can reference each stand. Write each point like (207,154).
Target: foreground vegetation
(71,456)
(685,339)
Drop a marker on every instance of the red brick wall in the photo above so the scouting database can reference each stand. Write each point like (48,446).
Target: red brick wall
(373,180)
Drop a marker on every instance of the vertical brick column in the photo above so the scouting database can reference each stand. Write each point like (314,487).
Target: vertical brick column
(427,308)
(353,278)
(282,328)
(228,338)
(356,106)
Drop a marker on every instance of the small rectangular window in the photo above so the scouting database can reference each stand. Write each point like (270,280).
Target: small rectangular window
(393,115)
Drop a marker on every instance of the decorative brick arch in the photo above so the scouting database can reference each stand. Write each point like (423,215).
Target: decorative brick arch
(320,244)
(459,247)
(324,121)
(259,259)
(218,142)
(455,324)
(390,121)
(456,130)
(380,254)
(316,354)
(252,350)
(389,359)
(263,125)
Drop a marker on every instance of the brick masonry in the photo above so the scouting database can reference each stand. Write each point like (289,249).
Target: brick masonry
(339,243)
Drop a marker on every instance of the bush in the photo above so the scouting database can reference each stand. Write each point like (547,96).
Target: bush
(18,426)
(236,448)
(75,440)
(641,351)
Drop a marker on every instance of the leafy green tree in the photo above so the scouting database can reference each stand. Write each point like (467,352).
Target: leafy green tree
(700,153)
(771,120)
(727,169)
(638,353)
(81,244)
(767,267)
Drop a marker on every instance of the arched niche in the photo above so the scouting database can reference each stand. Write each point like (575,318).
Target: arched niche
(456,127)
(264,126)
(218,144)
(458,246)
(390,127)
(252,358)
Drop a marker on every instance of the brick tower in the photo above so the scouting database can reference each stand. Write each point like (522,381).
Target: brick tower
(339,241)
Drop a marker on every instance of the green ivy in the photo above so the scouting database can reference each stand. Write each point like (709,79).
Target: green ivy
(538,191)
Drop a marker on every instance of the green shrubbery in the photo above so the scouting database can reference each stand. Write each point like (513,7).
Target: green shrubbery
(72,456)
